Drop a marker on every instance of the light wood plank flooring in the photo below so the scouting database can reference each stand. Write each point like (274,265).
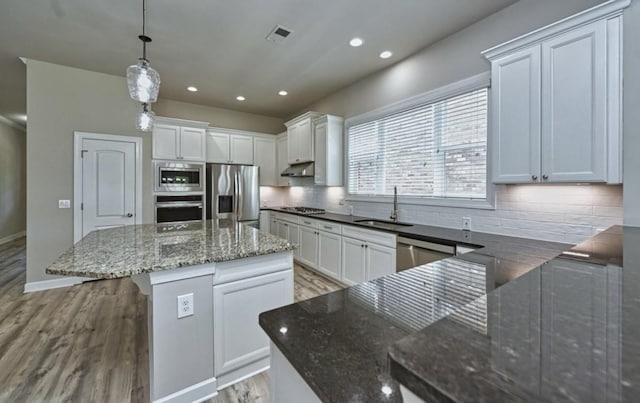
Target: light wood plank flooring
(89,342)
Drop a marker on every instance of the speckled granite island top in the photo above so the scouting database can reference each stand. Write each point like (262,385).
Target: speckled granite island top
(136,249)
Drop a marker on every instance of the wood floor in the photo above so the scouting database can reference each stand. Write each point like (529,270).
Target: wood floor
(88,343)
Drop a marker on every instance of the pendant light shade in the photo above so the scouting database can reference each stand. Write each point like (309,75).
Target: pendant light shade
(145,119)
(143,82)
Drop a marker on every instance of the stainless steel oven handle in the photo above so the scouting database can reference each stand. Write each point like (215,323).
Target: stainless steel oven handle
(178,205)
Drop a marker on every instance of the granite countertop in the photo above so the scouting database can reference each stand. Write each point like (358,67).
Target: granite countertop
(136,249)
(568,330)
(339,342)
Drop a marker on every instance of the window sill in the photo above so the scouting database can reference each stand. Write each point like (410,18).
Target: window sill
(485,204)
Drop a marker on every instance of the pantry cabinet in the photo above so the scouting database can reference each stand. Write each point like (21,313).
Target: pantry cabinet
(176,139)
(556,102)
(224,148)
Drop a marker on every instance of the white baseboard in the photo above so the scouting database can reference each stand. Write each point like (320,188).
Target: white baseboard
(194,393)
(12,237)
(50,284)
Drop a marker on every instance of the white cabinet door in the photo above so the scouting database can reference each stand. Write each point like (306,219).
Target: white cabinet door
(330,254)
(282,154)
(241,149)
(165,142)
(320,162)
(218,148)
(294,237)
(305,141)
(265,221)
(273,227)
(574,107)
(292,145)
(353,261)
(192,144)
(238,339)
(264,156)
(308,247)
(381,261)
(283,230)
(515,120)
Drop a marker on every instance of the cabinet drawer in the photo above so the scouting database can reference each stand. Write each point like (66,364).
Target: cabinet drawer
(308,222)
(290,218)
(331,227)
(378,237)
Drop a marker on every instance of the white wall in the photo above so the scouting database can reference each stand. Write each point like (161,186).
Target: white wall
(13,177)
(568,213)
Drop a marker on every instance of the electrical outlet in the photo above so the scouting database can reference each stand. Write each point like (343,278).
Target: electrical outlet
(341,202)
(350,210)
(185,305)
(64,203)
(466,223)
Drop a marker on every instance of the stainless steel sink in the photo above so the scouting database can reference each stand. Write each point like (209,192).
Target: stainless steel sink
(383,223)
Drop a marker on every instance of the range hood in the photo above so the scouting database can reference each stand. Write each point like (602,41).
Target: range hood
(304,170)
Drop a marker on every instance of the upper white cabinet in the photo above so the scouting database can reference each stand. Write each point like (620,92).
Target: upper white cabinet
(264,156)
(225,148)
(327,133)
(300,144)
(556,101)
(281,158)
(175,139)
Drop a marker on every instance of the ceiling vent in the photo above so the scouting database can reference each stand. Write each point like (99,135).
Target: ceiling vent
(279,34)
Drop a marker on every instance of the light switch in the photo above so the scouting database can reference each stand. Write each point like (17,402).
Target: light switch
(64,203)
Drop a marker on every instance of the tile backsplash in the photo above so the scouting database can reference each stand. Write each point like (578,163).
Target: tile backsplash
(560,213)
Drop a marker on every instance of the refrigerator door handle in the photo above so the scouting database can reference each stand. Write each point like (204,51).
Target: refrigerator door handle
(239,195)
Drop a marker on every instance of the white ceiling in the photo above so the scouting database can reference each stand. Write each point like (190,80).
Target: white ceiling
(220,47)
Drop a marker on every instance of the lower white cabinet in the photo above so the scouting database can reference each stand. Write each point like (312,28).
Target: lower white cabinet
(353,261)
(381,260)
(308,247)
(294,237)
(265,221)
(238,338)
(329,254)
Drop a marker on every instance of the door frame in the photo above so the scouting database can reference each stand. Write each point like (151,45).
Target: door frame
(78,137)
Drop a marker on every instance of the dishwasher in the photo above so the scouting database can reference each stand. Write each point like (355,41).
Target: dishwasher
(412,252)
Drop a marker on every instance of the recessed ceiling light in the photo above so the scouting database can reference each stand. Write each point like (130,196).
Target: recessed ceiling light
(240,98)
(282,93)
(355,42)
(386,54)
(191,88)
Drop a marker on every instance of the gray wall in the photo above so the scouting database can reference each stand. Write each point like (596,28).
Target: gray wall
(219,117)
(13,178)
(61,100)
(452,59)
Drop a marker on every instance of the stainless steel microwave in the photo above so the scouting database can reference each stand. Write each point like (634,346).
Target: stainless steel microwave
(178,177)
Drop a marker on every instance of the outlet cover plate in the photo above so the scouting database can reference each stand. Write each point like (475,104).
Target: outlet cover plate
(64,203)
(185,305)
(466,223)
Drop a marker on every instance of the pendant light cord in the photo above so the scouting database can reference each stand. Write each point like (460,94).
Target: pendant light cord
(144,33)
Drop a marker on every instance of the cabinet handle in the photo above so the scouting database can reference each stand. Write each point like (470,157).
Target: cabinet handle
(534,177)
(286,225)
(362,246)
(545,177)
(297,159)
(366,246)
(327,227)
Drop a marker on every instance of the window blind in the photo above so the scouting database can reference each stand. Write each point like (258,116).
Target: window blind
(433,150)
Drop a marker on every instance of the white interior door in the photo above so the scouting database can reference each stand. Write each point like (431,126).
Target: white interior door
(108,184)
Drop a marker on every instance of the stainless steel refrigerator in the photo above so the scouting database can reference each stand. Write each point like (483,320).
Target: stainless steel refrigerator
(233,192)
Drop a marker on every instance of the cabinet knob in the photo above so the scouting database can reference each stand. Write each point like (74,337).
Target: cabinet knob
(366,246)
(129,215)
(534,177)
(545,177)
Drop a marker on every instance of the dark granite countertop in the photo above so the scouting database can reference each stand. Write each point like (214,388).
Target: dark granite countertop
(339,342)
(568,330)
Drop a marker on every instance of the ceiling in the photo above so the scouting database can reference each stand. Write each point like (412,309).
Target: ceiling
(219,46)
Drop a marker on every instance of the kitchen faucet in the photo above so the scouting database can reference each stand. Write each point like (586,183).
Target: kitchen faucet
(394,213)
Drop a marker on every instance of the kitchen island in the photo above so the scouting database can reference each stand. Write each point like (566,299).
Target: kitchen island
(206,283)
(491,325)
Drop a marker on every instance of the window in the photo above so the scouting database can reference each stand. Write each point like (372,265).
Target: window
(434,150)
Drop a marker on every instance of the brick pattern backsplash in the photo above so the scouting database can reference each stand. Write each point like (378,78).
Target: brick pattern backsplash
(560,213)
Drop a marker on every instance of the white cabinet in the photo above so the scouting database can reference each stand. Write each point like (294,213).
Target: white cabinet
(327,133)
(264,156)
(308,246)
(366,254)
(287,228)
(556,102)
(224,148)
(173,140)
(300,138)
(330,254)
(239,340)
(265,221)
(281,156)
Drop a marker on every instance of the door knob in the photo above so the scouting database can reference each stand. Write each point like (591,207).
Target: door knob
(129,215)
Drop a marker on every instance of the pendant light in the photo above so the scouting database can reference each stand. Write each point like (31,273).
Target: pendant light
(142,80)
(145,119)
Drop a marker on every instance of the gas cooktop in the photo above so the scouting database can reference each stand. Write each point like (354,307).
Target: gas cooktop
(304,210)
